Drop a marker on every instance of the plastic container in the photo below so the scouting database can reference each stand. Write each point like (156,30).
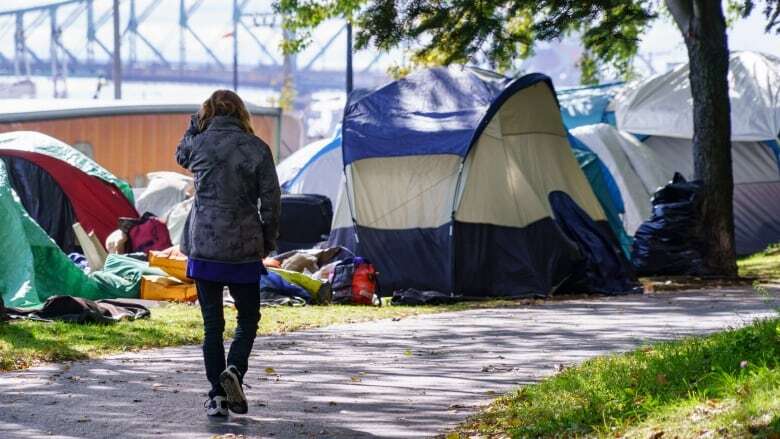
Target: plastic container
(176,267)
(155,288)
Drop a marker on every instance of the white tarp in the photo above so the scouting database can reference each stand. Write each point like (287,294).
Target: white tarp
(176,218)
(662,105)
(165,189)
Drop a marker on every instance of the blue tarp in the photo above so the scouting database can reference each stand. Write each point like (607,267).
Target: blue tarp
(588,105)
(432,111)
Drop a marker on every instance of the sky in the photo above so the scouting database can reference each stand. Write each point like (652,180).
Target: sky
(660,48)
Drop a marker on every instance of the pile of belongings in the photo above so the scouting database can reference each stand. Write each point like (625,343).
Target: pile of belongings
(138,261)
(169,197)
(163,273)
(300,276)
(670,242)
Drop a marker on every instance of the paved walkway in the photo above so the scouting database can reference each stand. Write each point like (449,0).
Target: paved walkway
(409,378)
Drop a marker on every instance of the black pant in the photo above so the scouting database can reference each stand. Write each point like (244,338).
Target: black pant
(247,299)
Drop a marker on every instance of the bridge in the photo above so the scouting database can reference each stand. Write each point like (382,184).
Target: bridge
(75,38)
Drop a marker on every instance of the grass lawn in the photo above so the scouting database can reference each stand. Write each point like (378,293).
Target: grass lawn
(24,343)
(763,265)
(723,385)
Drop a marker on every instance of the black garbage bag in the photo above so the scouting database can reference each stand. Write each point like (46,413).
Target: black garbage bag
(670,243)
(605,269)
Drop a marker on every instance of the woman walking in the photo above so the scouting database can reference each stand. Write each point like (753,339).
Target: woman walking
(226,235)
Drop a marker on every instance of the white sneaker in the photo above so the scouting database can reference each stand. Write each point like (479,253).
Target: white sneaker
(216,406)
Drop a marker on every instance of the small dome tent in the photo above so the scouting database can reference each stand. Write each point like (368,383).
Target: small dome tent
(58,186)
(313,169)
(634,166)
(659,111)
(448,173)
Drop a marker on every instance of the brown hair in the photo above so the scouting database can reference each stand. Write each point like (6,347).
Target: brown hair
(224,103)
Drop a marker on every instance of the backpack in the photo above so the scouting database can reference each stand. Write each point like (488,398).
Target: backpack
(355,281)
(145,234)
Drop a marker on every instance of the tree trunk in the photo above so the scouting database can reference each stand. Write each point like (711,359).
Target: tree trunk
(704,29)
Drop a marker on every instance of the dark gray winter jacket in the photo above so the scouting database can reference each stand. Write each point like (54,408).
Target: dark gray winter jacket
(233,171)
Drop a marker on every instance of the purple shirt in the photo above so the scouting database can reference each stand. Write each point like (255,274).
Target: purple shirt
(226,272)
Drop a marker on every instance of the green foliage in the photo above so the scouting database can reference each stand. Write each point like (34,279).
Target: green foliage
(497,32)
(610,395)
(589,68)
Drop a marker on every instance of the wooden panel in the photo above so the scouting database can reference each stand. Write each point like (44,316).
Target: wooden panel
(130,146)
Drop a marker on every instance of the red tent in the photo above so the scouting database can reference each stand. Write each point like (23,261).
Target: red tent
(96,204)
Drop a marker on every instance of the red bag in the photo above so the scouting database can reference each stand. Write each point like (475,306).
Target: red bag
(147,233)
(364,286)
(355,282)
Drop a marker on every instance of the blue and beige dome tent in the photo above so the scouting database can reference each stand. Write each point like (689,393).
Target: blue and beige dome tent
(448,173)
(659,111)
(317,169)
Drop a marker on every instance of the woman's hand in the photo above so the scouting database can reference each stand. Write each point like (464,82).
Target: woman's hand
(194,127)
(184,150)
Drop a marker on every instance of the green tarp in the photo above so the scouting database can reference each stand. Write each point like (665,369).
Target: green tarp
(121,276)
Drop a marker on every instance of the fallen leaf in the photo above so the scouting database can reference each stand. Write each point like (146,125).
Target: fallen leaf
(661,379)
(453,435)
(270,370)
(355,379)
(408,353)
(656,435)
